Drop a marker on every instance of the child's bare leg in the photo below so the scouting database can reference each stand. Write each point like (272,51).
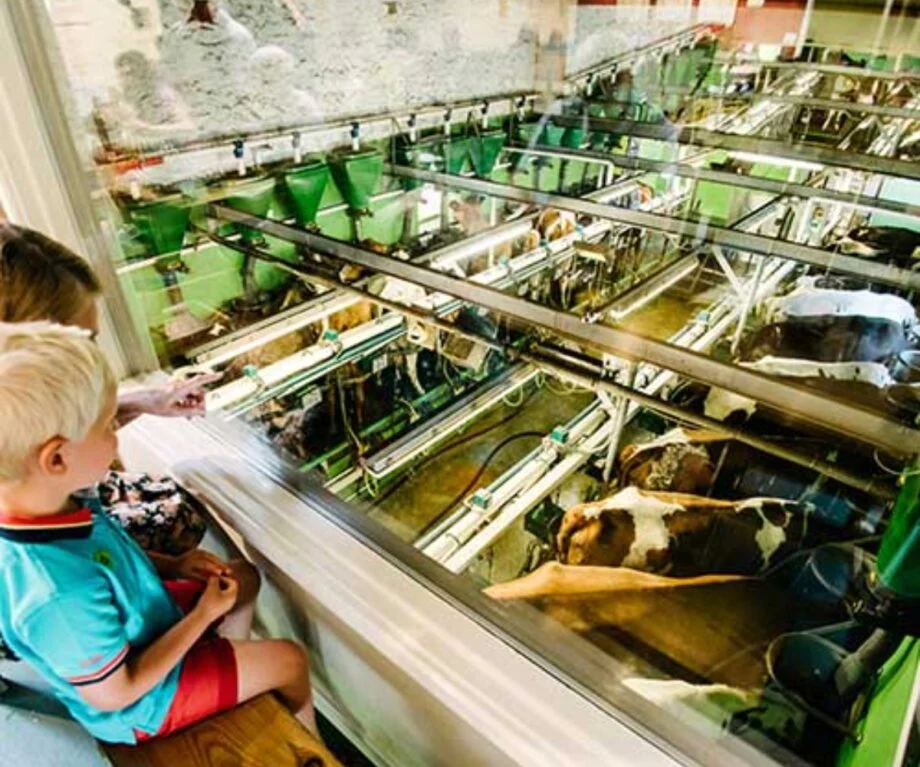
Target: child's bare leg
(280,665)
(238,622)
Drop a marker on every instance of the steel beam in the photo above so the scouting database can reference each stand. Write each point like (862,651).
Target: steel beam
(833,69)
(480,242)
(757,183)
(665,42)
(699,231)
(780,98)
(799,401)
(847,106)
(679,134)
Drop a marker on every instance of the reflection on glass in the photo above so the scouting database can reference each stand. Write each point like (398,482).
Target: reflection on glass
(508,243)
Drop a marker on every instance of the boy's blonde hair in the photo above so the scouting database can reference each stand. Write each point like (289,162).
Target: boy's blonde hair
(54,382)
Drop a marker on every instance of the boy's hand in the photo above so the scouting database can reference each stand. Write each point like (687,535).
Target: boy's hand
(201,565)
(218,598)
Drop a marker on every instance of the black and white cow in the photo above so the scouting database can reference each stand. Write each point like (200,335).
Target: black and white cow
(815,297)
(910,146)
(827,338)
(682,535)
(892,244)
(861,381)
(833,339)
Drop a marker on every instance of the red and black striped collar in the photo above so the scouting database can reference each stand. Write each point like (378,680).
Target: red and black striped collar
(73,524)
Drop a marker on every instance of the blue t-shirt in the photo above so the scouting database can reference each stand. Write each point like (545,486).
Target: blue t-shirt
(76,596)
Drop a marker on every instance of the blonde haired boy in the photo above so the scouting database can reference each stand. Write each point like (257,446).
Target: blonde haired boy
(129,650)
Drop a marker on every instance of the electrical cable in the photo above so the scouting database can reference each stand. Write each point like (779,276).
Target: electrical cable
(368,486)
(448,447)
(485,465)
(565,391)
(354,437)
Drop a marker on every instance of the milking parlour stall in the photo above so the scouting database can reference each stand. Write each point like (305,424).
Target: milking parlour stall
(568,353)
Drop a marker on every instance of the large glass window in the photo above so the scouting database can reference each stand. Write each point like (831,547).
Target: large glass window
(608,308)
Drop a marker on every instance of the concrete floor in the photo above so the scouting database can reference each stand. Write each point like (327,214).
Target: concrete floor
(660,319)
(425,496)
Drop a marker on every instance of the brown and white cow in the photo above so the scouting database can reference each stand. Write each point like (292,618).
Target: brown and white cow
(554,224)
(682,535)
(676,462)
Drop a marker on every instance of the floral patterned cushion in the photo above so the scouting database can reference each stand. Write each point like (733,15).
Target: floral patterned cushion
(154,510)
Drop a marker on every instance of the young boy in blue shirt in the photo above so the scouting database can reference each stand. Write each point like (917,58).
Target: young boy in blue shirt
(127,648)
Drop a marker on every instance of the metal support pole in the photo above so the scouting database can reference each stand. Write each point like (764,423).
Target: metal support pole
(748,303)
(803,27)
(444,221)
(722,261)
(619,422)
(493,221)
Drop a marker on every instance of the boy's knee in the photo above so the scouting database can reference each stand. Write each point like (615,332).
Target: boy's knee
(294,656)
(248,578)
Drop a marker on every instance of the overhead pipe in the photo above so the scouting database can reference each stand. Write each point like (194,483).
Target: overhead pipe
(374,126)
(684,36)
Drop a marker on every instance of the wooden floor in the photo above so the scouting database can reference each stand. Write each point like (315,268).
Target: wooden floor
(260,733)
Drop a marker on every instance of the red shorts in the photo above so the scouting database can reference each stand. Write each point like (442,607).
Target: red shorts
(208,678)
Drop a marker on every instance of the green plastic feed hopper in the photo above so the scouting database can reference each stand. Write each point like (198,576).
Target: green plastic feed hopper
(162,223)
(552,134)
(573,138)
(457,154)
(253,196)
(356,174)
(407,153)
(484,151)
(306,185)
(530,133)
